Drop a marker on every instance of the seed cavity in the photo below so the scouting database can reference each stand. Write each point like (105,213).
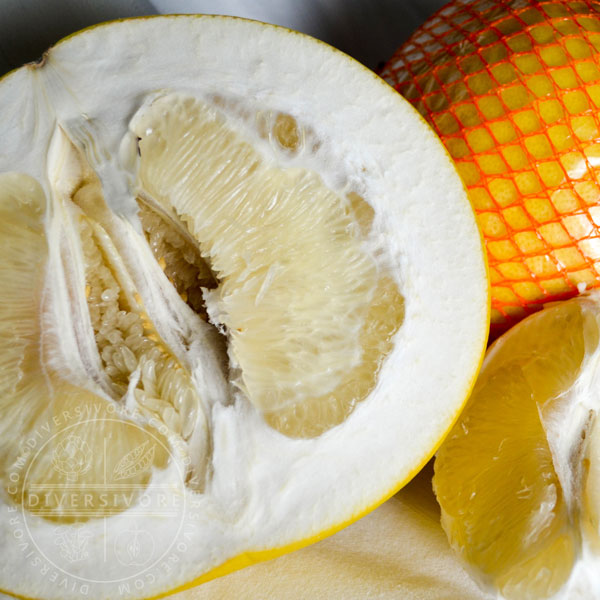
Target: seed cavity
(135,363)
(178,255)
(286,132)
(133,354)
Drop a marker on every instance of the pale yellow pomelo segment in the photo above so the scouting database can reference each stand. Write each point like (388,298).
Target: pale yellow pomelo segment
(24,252)
(397,551)
(511,475)
(308,314)
(311,416)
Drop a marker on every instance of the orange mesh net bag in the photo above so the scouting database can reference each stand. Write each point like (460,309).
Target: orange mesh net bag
(513,90)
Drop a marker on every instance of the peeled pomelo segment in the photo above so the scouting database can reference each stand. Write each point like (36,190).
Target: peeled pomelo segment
(517,477)
(301,312)
(522,519)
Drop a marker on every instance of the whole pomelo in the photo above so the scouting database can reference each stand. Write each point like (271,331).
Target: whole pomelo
(513,90)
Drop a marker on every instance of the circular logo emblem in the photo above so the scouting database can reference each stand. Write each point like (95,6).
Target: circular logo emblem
(87,493)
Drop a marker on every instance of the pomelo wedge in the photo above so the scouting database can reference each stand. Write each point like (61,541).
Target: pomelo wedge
(518,477)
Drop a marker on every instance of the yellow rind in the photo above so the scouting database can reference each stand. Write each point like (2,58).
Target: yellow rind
(249,558)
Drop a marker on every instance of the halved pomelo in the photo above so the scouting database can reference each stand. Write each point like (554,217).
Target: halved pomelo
(236,311)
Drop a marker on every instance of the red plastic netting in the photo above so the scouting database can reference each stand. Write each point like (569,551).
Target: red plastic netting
(513,90)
